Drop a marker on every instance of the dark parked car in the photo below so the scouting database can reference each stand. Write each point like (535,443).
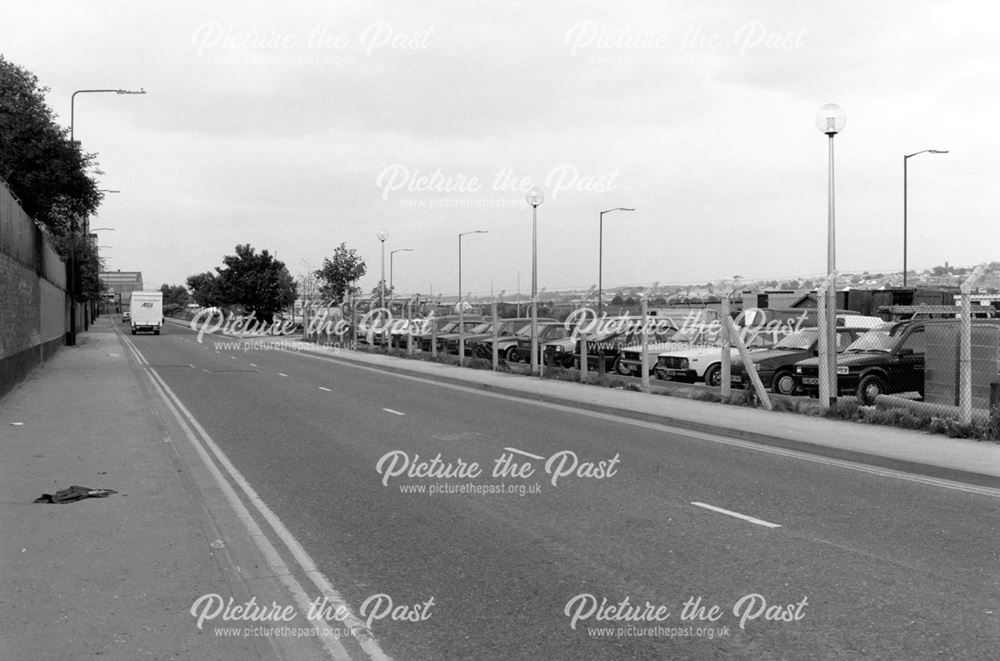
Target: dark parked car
(885,360)
(776,366)
(483,332)
(445,333)
(548,331)
(507,345)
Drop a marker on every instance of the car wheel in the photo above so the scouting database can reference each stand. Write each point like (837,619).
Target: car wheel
(871,386)
(512,355)
(621,369)
(713,375)
(783,383)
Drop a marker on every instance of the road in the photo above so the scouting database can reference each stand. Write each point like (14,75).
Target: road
(864,565)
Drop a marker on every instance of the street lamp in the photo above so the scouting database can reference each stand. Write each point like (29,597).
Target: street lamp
(461,304)
(382,236)
(71,334)
(534,197)
(391,253)
(830,120)
(905,159)
(600,259)
(72,102)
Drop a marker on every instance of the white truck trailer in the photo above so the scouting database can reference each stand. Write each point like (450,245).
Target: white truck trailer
(147,311)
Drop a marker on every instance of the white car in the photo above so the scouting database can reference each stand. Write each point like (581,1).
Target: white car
(702,363)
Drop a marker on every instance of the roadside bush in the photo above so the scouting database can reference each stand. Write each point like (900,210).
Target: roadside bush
(896,417)
(993,426)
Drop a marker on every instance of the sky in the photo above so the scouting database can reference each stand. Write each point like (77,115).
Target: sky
(300,125)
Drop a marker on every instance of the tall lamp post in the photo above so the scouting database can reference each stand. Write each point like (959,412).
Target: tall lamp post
(461,299)
(391,253)
(534,197)
(71,334)
(600,260)
(905,159)
(830,120)
(382,236)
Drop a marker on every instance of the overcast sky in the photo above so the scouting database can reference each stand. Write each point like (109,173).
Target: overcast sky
(296,126)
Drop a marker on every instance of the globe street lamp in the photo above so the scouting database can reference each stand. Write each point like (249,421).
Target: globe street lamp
(534,197)
(830,120)
(461,301)
(905,159)
(600,260)
(382,236)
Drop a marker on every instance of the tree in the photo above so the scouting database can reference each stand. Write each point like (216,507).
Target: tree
(377,297)
(205,289)
(175,297)
(44,169)
(340,272)
(258,282)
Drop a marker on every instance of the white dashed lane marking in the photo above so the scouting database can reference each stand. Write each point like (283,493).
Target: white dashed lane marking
(759,522)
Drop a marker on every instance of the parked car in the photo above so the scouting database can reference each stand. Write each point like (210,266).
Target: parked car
(628,361)
(483,332)
(776,366)
(547,332)
(885,360)
(126,317)
(703,362)
(420,328)
(622,351)
(507,345)
(444,333)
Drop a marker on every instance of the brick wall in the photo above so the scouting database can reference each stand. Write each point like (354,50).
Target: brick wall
(34,312)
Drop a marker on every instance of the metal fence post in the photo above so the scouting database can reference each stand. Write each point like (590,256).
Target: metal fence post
(496,339)
(725,383)
(965,349)
(645,345)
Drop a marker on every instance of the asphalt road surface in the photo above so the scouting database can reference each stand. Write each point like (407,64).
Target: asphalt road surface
(829,563)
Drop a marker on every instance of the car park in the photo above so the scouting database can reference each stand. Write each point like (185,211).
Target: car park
(776,366)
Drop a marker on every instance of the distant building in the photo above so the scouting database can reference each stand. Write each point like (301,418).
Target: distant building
(119,287)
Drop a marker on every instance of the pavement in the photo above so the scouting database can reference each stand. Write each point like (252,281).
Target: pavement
(113,577)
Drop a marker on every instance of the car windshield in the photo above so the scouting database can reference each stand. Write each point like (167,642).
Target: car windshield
(482,328)
(556,332)
(878,339)
(449,327)
(705,333)
(525,332)
(801,339)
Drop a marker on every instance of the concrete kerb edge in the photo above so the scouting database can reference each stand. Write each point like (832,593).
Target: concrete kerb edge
(902,465)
